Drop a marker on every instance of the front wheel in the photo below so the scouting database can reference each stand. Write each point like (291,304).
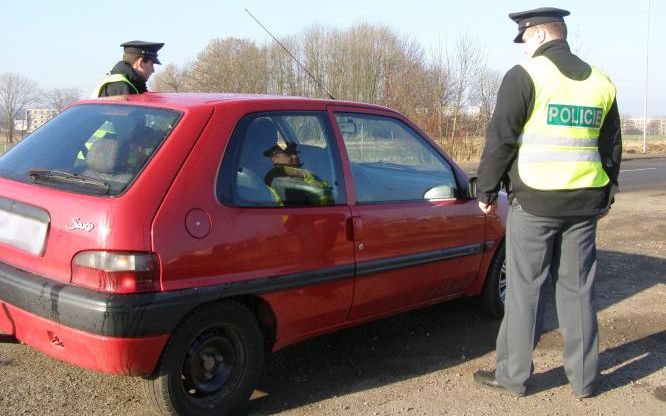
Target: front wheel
(494,289)
(210,365)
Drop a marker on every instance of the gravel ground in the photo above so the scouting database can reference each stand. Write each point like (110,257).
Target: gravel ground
(421,363)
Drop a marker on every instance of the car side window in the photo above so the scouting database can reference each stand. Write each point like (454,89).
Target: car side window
(282,159)
(392,162)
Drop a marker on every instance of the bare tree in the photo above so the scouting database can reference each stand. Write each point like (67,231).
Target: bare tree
(230,65)
(285,77)
(16,93)
(465,63)
(170,79)
(484,92)
(317,42)
(438,94)
(60,98)
(368,63)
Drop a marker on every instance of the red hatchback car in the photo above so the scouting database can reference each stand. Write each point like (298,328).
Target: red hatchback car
(180,237)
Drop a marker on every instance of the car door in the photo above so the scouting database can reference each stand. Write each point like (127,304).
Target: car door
(416,239)
(263,231)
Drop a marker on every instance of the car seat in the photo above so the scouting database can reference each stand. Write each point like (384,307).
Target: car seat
(107,160)
(260,135)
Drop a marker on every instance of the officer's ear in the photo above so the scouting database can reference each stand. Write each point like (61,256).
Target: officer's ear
(136,63)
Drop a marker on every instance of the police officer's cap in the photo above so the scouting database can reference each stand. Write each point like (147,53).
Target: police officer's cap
(535,17)
(287,149)
(144,49)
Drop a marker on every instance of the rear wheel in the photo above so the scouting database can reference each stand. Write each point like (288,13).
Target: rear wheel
(210,365)
(494,290)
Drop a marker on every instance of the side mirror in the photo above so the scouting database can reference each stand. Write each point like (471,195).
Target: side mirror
(471,188)
(439,192)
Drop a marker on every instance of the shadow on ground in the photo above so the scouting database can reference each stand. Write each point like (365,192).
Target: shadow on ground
(620,365)
(443,336)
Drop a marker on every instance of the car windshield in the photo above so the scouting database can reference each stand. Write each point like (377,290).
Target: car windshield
(93,148)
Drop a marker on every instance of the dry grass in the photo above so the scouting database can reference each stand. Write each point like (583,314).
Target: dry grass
(636,147)
(462,149)
(470,149)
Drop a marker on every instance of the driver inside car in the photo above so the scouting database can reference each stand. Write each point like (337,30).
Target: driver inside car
(290,182)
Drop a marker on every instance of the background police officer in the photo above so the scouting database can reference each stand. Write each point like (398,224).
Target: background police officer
(130,75)
(554,139)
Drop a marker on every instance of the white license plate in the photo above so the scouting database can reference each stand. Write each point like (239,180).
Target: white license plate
(23,233)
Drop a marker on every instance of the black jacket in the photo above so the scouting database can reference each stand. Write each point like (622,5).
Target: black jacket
(515,102)
(121,88)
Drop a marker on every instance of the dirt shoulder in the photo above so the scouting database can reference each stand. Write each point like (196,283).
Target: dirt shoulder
(421,363)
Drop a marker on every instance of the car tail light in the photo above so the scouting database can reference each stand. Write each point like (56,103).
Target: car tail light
(117,272)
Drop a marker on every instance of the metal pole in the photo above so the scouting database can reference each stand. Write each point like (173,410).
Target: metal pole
(647,61)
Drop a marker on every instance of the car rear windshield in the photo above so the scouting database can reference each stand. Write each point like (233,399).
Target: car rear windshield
(92,148)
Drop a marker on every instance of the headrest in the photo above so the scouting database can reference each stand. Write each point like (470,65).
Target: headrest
(107,156)
(262,131)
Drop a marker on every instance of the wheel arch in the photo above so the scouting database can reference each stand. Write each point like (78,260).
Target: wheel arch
(264,314)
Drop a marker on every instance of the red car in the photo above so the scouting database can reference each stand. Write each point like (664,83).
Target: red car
(180,237)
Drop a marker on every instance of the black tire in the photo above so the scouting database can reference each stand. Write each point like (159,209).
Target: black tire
(494,289)
(210,365)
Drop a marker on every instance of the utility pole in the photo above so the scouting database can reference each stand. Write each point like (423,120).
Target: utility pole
(647,61)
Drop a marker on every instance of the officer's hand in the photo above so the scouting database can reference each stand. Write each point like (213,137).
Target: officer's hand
(488,208)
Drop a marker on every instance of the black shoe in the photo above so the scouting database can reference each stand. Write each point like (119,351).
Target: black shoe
(487,379)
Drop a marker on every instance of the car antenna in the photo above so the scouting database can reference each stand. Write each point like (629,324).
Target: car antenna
(292,56)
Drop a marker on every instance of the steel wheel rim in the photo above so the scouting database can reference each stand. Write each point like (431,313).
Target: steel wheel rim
(213,366)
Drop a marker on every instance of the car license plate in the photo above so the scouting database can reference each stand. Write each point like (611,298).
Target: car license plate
(23,233)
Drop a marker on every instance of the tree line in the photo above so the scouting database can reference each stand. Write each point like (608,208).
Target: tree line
(366,63)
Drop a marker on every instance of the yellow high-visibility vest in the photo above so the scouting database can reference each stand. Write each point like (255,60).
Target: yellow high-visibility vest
(558,146)
(110,79)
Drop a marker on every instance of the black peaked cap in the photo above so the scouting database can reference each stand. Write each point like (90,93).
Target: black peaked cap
(535,17)
(145,49)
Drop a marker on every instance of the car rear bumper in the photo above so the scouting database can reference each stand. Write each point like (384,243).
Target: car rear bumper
(118,334)
(126,356)
(106,314)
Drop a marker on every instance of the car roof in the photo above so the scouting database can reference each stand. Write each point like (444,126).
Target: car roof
(189,100)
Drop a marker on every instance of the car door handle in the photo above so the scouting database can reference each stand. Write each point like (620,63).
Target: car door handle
(355,229)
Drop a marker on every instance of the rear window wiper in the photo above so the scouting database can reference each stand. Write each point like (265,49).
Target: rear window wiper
(57,176)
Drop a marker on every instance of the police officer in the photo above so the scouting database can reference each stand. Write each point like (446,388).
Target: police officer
(130,75)
(287,165)
(554,139)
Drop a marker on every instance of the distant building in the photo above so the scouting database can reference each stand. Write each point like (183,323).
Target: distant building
(661,125)
(634,125)
(35,117)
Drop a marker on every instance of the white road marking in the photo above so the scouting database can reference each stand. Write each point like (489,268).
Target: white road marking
(636,170)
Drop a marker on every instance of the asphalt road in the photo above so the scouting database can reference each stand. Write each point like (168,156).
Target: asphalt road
(636,173)
(643,173)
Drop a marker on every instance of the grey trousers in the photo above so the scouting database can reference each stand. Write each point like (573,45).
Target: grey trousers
(563,248)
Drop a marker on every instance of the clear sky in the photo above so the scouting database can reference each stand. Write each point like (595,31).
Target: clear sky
(73,43)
